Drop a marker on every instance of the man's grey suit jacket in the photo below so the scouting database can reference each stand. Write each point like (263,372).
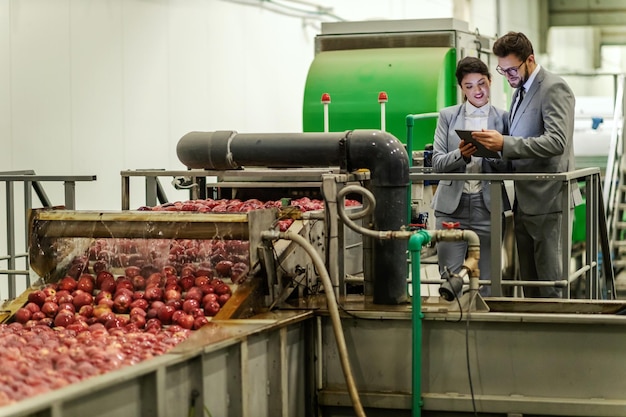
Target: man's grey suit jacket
(541,140)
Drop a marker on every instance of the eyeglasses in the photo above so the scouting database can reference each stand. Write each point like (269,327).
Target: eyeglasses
(511,71)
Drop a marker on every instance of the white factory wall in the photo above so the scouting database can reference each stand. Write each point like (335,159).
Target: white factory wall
(108,85)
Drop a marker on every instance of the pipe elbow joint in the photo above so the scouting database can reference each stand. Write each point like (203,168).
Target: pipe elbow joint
(380,152)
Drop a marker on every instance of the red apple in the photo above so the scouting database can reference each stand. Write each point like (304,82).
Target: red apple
(102,294)
(199,322)
(108,284)
(121,303)
(123,282)
(153,325)
(138,320)
(153,293)
(86,283)
(114,322)
(165,314)
(211,308)
(207,288)
(222,289)
(177,315)
(100,310)
(139,282)
(223,268)
(86,311)
(38,315)
(209,297)
(201,280)
(67,283)
(177,304)
(50,309)
(132,271)
(186,321)
(99,266)
(157,304)
(194,293)
(22,315)
(67,306)
(105,317)
(50,290)
(38,297)
(169,270)
(239,272)
(204,271)
(101,276)
(223,299)
(141,303)
(172,294)
(187,281)
(190,304)
(137,310)
(33,307)
(156,279)
(82,298)
(188,269)
(64,318)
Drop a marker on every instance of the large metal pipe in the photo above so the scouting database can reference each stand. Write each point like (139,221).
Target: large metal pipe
(379,152)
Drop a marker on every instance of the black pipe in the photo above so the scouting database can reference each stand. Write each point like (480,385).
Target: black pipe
(379,152)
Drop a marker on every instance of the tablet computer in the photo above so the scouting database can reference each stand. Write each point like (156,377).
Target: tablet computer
(481,151)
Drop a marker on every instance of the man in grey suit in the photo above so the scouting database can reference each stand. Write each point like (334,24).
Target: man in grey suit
(540,141)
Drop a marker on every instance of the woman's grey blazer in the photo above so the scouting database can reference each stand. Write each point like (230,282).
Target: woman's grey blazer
(447,156)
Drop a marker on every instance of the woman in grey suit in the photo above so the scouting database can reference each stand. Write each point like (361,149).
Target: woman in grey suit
(466,202)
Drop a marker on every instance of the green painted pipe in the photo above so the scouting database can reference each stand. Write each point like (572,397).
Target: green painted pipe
(410,123)
(415,247)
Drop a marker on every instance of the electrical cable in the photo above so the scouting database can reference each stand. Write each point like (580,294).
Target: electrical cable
(473,294)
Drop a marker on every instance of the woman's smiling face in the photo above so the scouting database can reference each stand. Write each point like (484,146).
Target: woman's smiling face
(476,88)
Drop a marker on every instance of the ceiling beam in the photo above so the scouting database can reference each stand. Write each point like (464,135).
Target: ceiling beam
(586,12)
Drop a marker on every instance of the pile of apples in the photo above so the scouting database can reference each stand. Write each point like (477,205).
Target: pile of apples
(228,259)
(123,301)
(210,205)
(140,299)
(38,359)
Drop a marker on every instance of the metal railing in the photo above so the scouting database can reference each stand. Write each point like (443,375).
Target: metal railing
(597,241)
(31,183)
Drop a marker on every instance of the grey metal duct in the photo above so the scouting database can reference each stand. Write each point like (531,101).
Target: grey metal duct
(379,152)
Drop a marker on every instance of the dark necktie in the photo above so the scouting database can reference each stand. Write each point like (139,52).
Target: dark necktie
(521,93)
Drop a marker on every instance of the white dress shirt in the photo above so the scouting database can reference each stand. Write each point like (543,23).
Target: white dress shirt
(476,118)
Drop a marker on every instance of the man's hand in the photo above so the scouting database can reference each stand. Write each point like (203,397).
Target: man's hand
(490,139)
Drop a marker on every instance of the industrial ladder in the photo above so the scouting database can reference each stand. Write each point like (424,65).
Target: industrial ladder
(615,183)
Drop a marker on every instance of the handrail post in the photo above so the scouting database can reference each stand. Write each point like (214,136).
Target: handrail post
(10,236)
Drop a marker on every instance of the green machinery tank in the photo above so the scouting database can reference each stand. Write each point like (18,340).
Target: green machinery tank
(416,80)
(412,61)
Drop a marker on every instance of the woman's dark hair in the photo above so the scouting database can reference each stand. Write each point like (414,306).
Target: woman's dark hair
(515,43)
(471,65)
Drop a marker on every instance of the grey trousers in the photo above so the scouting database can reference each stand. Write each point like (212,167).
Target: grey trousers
(472,214)
(539,251)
